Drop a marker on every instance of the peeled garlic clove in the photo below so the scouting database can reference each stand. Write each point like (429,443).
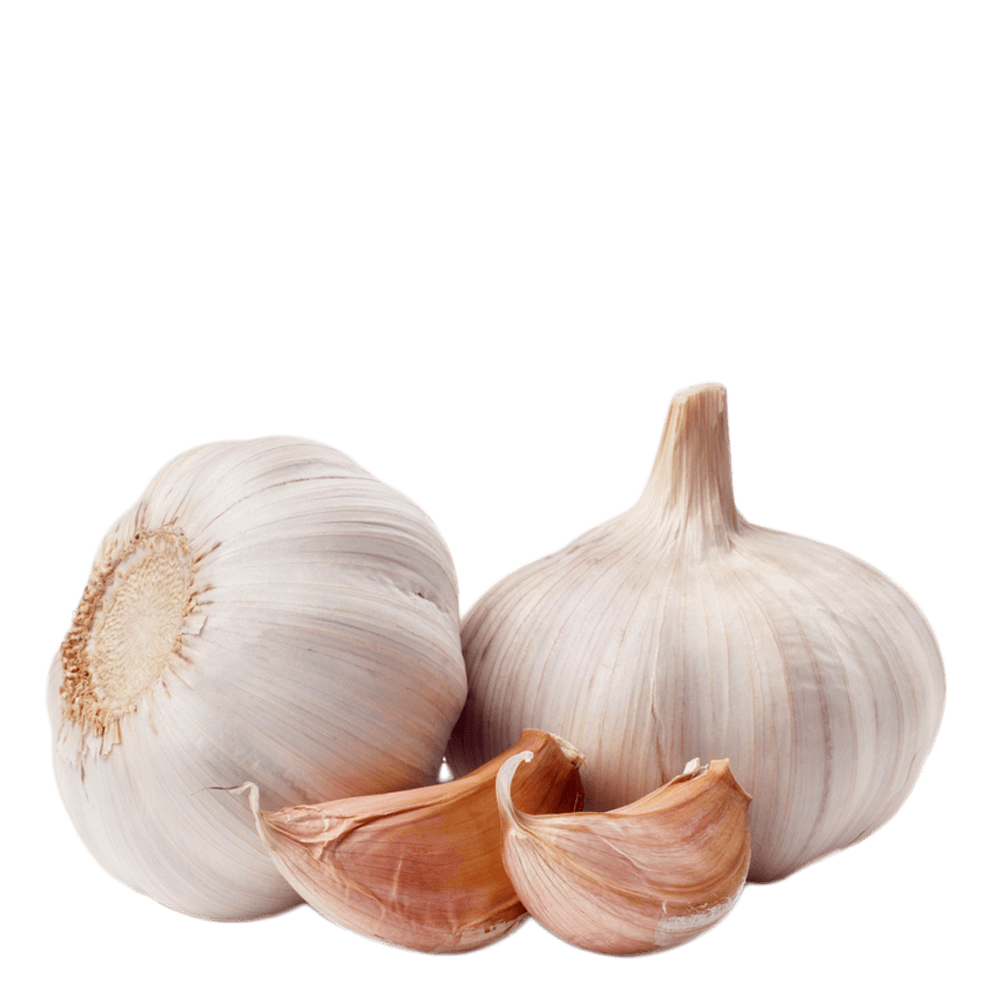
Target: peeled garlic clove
(267,610)
(684,630)
(421,868)
(645,877)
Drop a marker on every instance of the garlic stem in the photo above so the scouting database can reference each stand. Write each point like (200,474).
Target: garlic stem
(690,491)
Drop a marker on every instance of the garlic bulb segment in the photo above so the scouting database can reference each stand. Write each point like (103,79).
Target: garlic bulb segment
(266,610)
(421,868)
(680,629)
(645,877)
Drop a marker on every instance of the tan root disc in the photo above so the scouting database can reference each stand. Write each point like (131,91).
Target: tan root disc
(127,629)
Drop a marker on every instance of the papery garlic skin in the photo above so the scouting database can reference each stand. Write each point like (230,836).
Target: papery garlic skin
(646,877)
(680,629)
(421,868)
(267,610)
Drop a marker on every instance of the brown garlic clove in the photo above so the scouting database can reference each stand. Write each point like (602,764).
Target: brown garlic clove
(645,877)
(419,868)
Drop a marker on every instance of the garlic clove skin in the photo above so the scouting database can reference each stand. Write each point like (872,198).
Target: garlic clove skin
(646,877)
(680,629)
(419,868)
(267,610)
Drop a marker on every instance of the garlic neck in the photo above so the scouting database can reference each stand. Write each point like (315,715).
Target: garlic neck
(689,497)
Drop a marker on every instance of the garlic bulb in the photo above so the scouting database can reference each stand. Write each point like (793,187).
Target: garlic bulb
(421,868)
(642,878)
(679,629)
(267,611)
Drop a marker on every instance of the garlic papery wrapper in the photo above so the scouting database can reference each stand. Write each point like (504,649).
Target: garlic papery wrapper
(642,878)
(421,868)
(268,611)
(679,629)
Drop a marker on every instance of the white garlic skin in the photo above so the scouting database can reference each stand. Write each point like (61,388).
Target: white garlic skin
(679,630)
(318,657)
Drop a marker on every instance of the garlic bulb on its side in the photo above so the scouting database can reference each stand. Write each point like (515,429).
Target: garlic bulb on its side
(679,629)
(267,611)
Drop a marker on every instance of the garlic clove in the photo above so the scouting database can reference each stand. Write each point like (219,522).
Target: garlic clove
(646,877)
(419,868)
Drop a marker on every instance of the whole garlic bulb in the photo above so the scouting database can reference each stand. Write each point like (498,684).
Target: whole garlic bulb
(680,630)
(268,612)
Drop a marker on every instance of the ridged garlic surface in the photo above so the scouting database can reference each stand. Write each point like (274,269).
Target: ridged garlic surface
(267,611)
(679,630)
(421,868)
(648,876)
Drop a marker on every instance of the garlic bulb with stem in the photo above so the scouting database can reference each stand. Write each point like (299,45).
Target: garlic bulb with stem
(680,629)
(421,868)
(648,876)
(269,611)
